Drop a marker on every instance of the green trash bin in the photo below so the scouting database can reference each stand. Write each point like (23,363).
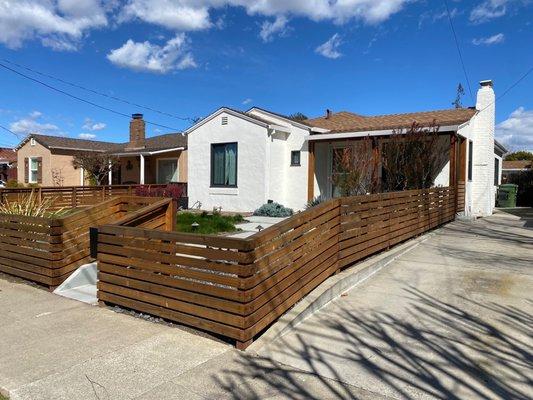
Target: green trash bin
(507,195)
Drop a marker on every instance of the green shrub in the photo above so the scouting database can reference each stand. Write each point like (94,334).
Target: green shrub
(273,210)
(32,185)
(13,183)
(315,202)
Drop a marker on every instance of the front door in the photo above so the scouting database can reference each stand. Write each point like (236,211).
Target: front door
(167,170)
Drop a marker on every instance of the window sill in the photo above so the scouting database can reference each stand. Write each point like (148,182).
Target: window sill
(296,165)
(232,191)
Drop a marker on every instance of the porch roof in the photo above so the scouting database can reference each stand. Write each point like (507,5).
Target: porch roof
(349,122)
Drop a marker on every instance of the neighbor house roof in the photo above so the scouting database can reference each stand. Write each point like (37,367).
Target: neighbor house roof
(517,165)
(155,143)
(60,142)
(349,122)
(7,155)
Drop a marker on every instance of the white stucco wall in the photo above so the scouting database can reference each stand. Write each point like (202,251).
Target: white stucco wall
(443,177)
(288,184)
(251,140)
(264,170)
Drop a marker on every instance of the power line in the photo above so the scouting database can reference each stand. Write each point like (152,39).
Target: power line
(509,88)
(458,49)
(81,99)
(100,93)
(9,131)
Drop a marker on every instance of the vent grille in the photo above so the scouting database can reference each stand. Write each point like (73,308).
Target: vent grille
(224,120)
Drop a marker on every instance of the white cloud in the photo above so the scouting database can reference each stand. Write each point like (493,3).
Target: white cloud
(59,24)
(32,124)
(63,24)
(330,48)
(90,125)
(246,101)
(146,56)
(487,10)
(490,40)
(276,27)
(88,136)
(517,131)
(180,15)
(191,15)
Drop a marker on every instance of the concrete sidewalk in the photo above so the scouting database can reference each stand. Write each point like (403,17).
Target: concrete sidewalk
(52,347)
(450,319)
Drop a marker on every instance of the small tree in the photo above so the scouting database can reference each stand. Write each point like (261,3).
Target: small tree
(352,167)
(457,103)
(57,177)
(97,165)
(298,116)
(411,159)
(519,156)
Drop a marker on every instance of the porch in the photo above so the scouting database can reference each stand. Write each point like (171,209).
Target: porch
(328,155)
(160,167)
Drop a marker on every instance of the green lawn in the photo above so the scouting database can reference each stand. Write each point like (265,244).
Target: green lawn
(208,223)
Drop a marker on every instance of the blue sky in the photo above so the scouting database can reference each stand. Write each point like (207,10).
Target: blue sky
(189,57)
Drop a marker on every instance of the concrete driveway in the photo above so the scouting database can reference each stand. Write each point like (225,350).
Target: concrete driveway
(451,319)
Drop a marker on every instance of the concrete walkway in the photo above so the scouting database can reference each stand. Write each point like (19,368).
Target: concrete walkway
(450,319)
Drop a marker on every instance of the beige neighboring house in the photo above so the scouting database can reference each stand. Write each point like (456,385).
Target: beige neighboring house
(47,160)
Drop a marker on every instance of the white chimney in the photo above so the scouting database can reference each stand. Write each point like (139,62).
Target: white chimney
(483,191)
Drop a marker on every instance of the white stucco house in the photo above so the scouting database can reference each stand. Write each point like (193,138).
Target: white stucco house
(241,160)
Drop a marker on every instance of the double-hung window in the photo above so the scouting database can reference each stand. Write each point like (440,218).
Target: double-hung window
(224,165)
(34,170)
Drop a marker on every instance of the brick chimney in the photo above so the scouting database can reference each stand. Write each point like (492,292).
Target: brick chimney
(137,132)
(483,126)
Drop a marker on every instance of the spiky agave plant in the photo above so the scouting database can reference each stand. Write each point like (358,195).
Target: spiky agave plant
(31,206)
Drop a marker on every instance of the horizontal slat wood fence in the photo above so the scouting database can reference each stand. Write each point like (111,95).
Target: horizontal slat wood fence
(238,287)
(47,251)
(461,194)
(76,196)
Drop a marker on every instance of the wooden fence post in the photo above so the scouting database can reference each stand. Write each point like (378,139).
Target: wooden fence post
(170,216)
(74,197)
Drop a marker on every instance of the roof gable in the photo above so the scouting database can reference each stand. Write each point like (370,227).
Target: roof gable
(239,114)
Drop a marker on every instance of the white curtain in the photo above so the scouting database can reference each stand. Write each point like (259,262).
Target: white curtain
(231,165)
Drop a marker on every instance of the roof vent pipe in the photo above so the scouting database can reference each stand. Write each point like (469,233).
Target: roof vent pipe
(328,113)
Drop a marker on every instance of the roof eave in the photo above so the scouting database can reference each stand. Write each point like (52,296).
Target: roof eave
(149,152)
(359,134)
(275,115)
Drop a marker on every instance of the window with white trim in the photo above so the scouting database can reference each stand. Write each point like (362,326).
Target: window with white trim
(33,166)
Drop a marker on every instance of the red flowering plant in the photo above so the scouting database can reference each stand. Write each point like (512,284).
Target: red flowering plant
(172,190)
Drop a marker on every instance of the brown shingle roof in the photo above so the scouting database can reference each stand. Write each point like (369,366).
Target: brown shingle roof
(520,164)
(349,122)
(161,142)
(74,144)
(7,154)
